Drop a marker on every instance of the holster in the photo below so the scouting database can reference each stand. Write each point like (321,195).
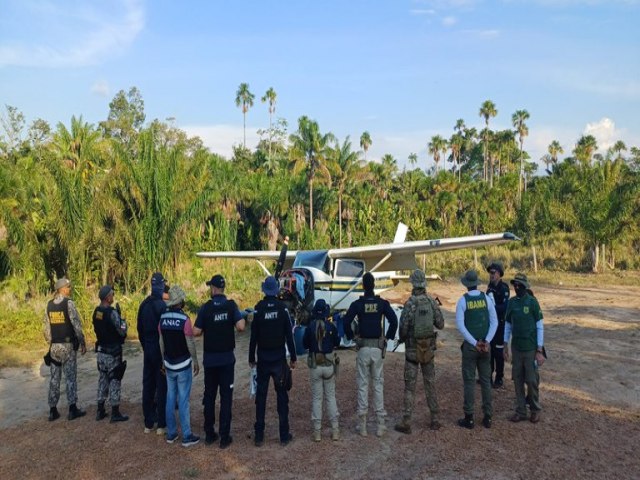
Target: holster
(336,364)
(286,379)
(117,372)
(382,345)
(48,360)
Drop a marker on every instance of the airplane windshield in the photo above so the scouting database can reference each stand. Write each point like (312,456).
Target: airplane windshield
(315,259)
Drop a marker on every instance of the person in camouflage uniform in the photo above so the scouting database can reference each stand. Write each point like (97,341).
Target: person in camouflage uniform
(420,315)
(63,333)
(111,330)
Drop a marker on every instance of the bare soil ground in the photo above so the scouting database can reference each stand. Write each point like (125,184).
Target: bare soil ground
(590,428)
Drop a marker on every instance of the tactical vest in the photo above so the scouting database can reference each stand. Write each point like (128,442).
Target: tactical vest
(476,316)
(219,335)
(106,333)
(370,317)
(423,320)
(172,330)
(271,316)
(61,328)
(523,322)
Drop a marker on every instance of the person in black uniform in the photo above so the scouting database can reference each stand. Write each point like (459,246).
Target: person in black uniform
(217,319)
(270,330)
(370,311)
(500,292)
(111,330)
(154,383)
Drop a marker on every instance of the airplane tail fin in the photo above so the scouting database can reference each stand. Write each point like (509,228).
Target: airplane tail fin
(401,233)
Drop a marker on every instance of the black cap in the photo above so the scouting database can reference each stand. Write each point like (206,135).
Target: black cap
(157,279)
(217,281)
(105,291)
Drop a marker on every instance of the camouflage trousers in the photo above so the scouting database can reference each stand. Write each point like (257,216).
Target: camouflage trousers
(106,363)
(429,380)
(67,356)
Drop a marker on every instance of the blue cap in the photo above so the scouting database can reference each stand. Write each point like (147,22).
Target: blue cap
(320,309)
(270,286)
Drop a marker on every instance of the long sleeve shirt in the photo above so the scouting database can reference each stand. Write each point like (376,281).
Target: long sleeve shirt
(461,307)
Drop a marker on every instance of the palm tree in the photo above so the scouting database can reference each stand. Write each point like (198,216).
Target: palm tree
(435,147)
(618,148)
(554,150)
(517,120)
(76,147)
(244,98)
(487,110)
(585,148)
(459,127)
(413,159)
(365,143)
(270,96)
(347,169)
(308,151)
(456,142)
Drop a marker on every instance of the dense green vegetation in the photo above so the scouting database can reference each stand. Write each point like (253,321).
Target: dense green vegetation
(115,201)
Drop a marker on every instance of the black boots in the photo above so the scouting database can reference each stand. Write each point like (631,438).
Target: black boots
(467,422)
(75,412)
(116,416)
(486,421)
(101,413)
(53,414)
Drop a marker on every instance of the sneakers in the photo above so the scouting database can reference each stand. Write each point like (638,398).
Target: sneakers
(210,438)
(172,438)
(286,440)
(535,417)
(226,441)
(53,414)
(486,421)
(160,431)
(516,417)
(148,430)
(190,440)
(467,422)
(75,412)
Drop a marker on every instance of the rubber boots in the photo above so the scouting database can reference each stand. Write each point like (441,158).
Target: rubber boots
(116,416)
(101,413)
(403,426)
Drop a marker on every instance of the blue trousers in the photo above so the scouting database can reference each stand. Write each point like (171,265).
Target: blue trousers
(216,379)
(179,386)
(266,371)
(154,388)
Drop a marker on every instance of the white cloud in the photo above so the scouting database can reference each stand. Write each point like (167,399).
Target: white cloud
(422,11)
(101,88)
(604,132)
(92,34)
(220,139)
(449,21)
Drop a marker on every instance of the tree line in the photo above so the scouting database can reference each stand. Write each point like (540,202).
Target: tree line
(115,201)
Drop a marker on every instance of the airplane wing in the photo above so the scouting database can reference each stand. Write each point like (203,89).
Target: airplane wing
(402,255)
(259,255)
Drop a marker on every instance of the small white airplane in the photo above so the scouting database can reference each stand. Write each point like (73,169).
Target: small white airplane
(335,275)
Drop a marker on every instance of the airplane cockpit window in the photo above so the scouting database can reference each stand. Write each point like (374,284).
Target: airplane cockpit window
(349,268)
(315,259)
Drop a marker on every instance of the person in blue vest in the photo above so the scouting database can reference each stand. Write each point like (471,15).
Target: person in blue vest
(111,330)
(500,292)
(370,311)
(525,328)
(154,383)
(218,319)
(476,319)
(63,333)
(271,329)
(179,356)
(320,338)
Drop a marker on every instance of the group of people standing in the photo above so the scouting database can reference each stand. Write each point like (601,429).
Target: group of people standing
(487,321)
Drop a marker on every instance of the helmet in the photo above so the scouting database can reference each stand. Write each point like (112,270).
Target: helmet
(418,279)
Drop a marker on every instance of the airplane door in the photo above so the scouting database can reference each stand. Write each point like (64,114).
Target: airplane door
(345,273)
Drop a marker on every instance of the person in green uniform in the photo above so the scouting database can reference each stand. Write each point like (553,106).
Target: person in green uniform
(524,327)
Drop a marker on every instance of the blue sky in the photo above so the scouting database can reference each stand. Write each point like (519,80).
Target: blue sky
(404,70)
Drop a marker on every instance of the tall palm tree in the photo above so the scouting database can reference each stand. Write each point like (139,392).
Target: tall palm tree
(365,143)
(585,148)
(244,98)
(460,126)
(456,143)
(347,170)
(436,146)
(413,159)
(487,110)
(618,148)
(554,150)
(518,120)
(270,96)
(308,151)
